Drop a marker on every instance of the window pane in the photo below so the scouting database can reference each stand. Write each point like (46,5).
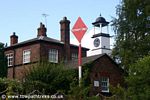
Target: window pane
(26,56)
(53,55)
(74,56)
(10,59)
(105,84)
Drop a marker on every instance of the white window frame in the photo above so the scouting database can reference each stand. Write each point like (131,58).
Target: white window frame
(10,58)
(105,84)
(74,56)
(53,55)
(96,83)
(26,56)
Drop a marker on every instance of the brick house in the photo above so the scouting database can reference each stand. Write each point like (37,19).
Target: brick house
(24,54)
(103,73)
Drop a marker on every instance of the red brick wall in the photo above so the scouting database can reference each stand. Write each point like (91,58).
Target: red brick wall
(19,59)
(45,47)
(21,71)
(75,50)
(19,53)
(10,73)
(104,67)
(36,55)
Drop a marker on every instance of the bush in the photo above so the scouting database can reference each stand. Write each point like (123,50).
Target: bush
(29,86)
(52,77)
(11,86)
(78,93)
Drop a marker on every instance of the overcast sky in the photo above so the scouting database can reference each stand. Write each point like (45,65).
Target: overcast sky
(24,16)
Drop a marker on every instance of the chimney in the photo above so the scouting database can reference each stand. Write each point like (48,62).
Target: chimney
(13,39)
(42,30)
(65,37)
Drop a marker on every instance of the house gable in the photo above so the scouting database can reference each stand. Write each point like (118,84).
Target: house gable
(104,67)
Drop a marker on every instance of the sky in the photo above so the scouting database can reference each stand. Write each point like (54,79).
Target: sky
(24,16)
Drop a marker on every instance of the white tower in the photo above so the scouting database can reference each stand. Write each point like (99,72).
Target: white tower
(101,40)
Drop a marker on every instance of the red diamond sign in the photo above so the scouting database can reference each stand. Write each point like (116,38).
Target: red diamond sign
(79,29)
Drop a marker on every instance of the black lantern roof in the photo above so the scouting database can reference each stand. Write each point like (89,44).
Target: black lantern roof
(100,20)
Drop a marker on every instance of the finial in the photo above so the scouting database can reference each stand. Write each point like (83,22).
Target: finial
(42,25)
(100,15)
(65,18)
(14,33)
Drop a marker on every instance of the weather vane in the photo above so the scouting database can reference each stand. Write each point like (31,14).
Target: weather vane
(45,15)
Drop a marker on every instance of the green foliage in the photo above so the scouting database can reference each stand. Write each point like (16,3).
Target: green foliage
(78,93)
(86,69)
(29,86)
(119,92)
(3,62)
(12,86)
(94,98)
(55,77)
(52,78)
(132,28)
(139,80)
(82,92)
(132,34)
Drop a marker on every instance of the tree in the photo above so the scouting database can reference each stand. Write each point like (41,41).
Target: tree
(10,87)
(132,31)
(139,80)
(3,62)
(50,78)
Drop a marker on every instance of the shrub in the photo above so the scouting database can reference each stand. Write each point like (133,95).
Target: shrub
(52,77)
(11,86)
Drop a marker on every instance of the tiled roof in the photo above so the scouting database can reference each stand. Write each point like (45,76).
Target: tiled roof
(42,38)
(74,63)
(86,60)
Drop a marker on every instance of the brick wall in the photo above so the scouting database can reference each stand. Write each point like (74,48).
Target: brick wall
(23,70)
(18,59)
(45,47)
(39,51)
(75,50)
(104,67)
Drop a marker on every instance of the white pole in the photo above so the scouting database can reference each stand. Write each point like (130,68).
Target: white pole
(80,75)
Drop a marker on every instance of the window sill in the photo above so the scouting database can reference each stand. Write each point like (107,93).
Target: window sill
(26,63)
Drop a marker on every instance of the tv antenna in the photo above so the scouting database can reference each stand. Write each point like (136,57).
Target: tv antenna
(45,17)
